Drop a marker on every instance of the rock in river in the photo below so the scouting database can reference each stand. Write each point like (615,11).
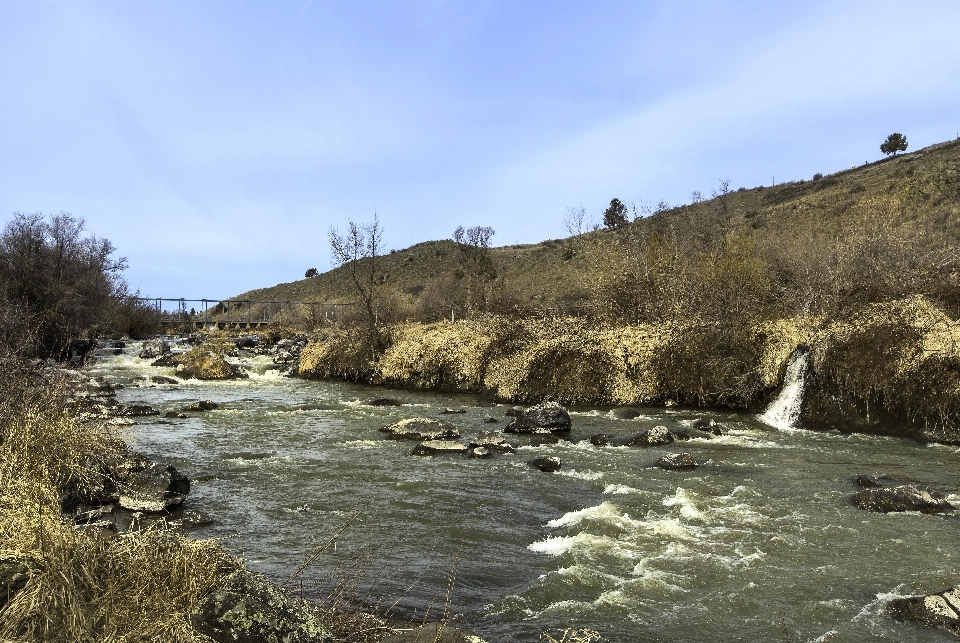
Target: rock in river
(156,488)
(548,417)
(547,463)
(438,447)
(202,405)
(677,461)
(421,429)
(936,610)
(154,348)
(385,401)
(903,498)
(657,436)
(248,608)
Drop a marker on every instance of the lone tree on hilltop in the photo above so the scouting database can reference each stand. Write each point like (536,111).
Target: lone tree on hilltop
(615,216)
(312,272)
(896,142)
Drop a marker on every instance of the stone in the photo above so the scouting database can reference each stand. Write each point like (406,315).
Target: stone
(156,488)
(492,440)
(171,415)
(202,405)
(936,610)
(673,461)
(248,608)
(14,575)
(154,348)
(657,436)
(99,386)
(160,379)
(490,420)
(421,429)
(545,417)
(385,401)
(547,463)
(248,341)
(625,414)
(449,411)
(432,633)
(481,452)
(166,360)
(901,498)
(439,447)
(707,425)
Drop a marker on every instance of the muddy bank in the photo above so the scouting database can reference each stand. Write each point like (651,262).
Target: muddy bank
(886,368)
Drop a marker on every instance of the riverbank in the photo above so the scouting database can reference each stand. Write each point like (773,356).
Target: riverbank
(885,368)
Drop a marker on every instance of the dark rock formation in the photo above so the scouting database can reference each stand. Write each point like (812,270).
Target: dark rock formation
(548,417)
(625,414)
(156,488)
(546,463)
(657,436)
(673,461)
(249,609)
(421,429)
(439,447)
(901,498)
(936,610)
(248,341)
(202,405)
(160,379)
(137,410)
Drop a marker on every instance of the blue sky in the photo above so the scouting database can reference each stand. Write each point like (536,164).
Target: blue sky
(215,143)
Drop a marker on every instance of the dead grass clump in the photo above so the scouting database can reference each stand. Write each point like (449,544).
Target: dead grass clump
(712,365)
(442,356)
(568,370)
(341,353)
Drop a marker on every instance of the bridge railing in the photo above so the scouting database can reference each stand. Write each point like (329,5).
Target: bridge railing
(244,313)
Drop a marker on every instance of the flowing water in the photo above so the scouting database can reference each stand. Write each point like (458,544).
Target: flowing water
(760,543)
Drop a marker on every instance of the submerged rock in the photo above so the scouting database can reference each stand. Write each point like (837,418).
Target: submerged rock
(481,452)
(137,410)
(439,447)
(160,379)
(548,417)
(156,488)
(421,429)
(385,401)
(493,440)
(547,463)
(673,461)
(901,498)
(936,610)
(248,608)
(625,414)
(707,425)
(449,411)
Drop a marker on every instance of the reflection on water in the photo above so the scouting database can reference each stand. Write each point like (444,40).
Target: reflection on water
(758,541)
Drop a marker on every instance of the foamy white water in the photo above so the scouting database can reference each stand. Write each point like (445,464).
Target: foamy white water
(784,411)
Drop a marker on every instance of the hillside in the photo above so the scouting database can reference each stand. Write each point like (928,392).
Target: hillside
(913,198)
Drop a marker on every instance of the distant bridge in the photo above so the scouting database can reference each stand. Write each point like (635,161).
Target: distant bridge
(213,314)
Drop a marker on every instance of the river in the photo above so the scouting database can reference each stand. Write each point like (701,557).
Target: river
(760,543)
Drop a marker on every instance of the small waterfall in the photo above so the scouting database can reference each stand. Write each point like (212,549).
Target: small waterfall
(784,411)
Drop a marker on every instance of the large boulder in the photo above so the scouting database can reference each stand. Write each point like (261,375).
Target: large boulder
(905,497)
(156,488)
(548,417)
(936,610)
(247,608)
(657,436)
(207,365)
(421,429)
(154,348)
(248,341)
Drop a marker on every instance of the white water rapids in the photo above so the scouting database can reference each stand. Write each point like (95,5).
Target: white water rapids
(784,411)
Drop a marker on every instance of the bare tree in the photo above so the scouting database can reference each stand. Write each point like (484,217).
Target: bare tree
(576,222)
(476,265)
(359,250)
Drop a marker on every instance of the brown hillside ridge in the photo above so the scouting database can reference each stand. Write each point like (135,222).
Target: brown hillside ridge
(701,304)
(555,273)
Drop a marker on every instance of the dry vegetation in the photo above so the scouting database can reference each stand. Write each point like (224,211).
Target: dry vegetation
(701,304)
